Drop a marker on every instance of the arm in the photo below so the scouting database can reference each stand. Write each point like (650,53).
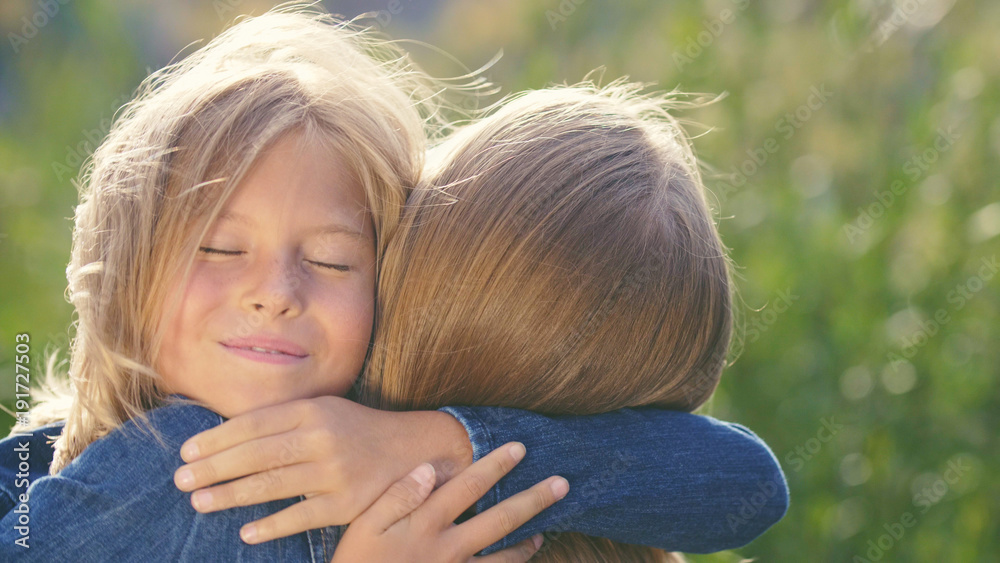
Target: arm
(117,502)
(643,476)
(680,484)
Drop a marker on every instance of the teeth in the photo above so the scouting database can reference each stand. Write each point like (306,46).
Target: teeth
(257,349)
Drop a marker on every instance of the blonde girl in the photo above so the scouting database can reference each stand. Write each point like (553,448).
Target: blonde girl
(176,154)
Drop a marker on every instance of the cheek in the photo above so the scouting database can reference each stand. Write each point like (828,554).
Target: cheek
(188,308)
(362,309)
(349,317)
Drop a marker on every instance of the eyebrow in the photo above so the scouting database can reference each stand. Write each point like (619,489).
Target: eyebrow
(332,228)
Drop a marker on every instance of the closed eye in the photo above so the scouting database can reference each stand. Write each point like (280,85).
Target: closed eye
(208,250)
(338,267)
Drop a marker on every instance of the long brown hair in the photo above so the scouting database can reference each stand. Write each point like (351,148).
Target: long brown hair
(562,259)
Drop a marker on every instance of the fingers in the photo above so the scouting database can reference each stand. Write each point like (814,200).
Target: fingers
(273,484)
(309,514)
(463,490)
(399,500)
(244,459)
(493,525)
(515,554)
(266,421)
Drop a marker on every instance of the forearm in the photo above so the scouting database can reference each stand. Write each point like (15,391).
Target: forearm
(642,476)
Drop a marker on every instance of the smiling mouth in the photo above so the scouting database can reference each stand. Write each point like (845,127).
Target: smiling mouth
(260,350)
(266,351)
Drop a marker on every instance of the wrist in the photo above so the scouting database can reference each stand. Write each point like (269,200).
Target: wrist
(439,439)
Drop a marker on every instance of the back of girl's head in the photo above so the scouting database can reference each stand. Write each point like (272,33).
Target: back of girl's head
(563,259)
(180,148)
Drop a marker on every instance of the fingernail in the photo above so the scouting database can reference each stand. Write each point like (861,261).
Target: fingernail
(249,533)
(190,451)
(185,478)
(559,487)
(537,539)
(517,451)
(201,500)
(424,474)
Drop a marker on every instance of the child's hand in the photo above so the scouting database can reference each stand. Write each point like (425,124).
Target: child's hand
(339,454)
(401,526)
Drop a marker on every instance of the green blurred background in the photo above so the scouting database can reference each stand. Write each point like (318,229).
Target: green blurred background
(855,174)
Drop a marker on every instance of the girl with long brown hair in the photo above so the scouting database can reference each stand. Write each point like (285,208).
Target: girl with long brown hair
(560,258)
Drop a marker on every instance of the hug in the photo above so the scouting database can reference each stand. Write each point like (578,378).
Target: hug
(295,282)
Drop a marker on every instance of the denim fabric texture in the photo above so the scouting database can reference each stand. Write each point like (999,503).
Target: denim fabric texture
(646,476)
(117,502)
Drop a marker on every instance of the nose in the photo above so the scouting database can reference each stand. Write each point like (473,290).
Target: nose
(274,289)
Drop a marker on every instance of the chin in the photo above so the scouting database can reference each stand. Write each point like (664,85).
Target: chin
(254,399)
(234,408)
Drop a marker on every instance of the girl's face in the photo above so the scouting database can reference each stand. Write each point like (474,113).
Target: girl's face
(280,301)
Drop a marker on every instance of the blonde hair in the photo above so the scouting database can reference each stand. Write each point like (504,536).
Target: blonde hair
(177,152)
(562,259)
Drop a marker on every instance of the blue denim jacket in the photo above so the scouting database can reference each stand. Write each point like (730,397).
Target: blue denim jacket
(644,476)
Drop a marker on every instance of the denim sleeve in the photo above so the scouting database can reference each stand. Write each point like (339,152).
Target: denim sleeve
(117,502)
(643,476)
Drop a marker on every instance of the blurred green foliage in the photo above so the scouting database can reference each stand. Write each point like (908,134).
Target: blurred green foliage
(854,167)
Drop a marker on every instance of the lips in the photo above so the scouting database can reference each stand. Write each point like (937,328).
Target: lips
(265,344)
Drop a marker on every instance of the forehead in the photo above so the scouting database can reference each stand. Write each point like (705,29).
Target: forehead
(298,181)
